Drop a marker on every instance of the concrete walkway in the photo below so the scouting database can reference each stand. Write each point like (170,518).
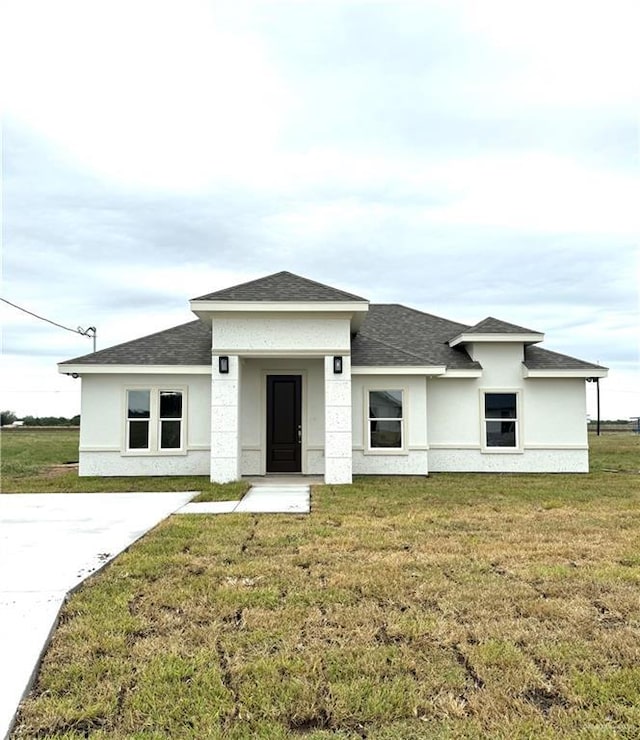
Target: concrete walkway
(266,496)
(49,543)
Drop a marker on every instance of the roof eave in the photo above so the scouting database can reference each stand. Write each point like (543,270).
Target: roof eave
(467,338)
(357,310)
(78,369)
(398,369)
(463,373)
(568,372)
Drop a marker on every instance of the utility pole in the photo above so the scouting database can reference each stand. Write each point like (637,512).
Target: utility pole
(90,331)
(597,382)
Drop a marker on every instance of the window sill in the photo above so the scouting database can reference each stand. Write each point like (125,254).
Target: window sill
(153,453)
(386,451)
(501,450)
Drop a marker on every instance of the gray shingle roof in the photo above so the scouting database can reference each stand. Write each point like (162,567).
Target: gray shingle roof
(369,352)
(419,334)
(281,286)
(495,326)
(390,335)
(187,344)
(537,358)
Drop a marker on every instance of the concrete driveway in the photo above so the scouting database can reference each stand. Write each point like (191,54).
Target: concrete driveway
(49,543)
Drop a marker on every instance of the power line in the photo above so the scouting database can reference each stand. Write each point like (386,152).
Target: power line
(42,318)
(90,331)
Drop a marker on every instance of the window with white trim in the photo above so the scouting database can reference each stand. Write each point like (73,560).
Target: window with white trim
(385,420)
(155,420)
(501,420)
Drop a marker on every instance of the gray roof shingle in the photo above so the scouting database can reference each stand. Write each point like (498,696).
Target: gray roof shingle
(369,352)
(390,335)
(281,286)
(186,344)
(537,358)
(422,335)
(495,326)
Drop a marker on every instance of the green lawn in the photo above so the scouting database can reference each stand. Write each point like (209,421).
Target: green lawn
(33,461)
(458,606)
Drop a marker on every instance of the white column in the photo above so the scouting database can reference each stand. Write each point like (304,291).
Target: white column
(225,421)
(337,422)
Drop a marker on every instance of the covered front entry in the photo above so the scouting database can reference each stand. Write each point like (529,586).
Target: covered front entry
(284,424)
(275,415)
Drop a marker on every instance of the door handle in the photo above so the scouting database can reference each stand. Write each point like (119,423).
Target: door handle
(299,434)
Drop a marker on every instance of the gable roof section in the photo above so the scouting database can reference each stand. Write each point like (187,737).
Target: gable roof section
(496,326)
(186,344)
(495,330)
(281,286)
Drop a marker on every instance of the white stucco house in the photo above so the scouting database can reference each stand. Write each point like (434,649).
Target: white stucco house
(286,375)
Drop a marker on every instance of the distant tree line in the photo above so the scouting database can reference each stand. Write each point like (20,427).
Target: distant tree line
(8,417)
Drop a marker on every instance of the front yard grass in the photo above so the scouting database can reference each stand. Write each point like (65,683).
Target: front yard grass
(44,460)
(459,606)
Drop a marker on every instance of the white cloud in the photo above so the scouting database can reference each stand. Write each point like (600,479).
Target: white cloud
(568,53)
(463,157)
(155,94)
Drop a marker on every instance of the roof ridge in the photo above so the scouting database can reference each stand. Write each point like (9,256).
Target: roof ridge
(315,282)
(271,282)
(248,282)
(488,319)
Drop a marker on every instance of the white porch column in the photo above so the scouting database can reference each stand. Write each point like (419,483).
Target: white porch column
(337,422)
(225,421)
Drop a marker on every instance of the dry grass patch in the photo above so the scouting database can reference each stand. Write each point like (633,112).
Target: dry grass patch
(455,607)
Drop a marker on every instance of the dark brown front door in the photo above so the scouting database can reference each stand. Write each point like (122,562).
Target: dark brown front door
(284,420)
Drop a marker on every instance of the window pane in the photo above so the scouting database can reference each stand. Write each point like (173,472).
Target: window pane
(138,435)
(139,404)
(500,405)
(385,404)
(170,405)
(386,434)
(501,434)
(170,435)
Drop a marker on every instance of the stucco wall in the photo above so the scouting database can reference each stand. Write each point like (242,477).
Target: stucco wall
(226,391)
(102,426)
(555,411)
(196,462)
(338,466)
(552,418)
(413,458)
(530,461)
(501,363)
(281,333)
(442,417)
(454,411)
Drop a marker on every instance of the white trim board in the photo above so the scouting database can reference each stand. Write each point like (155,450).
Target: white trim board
(134,369)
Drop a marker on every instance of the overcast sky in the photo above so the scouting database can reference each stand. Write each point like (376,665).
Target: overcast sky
(464,158)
